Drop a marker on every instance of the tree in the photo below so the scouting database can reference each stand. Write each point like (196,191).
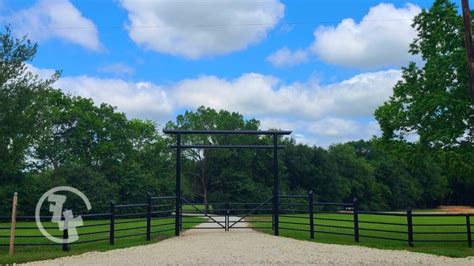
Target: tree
(432,100)
(207,118)
(21,103)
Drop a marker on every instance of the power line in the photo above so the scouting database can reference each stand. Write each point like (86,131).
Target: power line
(211,25)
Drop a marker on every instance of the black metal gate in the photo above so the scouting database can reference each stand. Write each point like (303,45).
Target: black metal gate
(225,215)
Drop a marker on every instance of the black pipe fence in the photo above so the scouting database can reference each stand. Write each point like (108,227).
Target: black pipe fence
(345,219)
(123,221)
(296,213)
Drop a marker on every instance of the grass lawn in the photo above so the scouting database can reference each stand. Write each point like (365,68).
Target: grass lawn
(451,249)
(32,253)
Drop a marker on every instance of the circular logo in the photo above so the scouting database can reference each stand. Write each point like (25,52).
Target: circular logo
(64,218)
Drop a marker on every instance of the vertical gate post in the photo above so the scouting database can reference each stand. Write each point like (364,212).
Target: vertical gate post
(311,214)
(13,224)
(227,220)
(112,223)
(469,234)
(410,227)
(276,184)
(181,217)
(148,218)
(178,185)
(355,207)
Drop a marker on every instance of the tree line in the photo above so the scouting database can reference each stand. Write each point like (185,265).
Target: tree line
(423,159)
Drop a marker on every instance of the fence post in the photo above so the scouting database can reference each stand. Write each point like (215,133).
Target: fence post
(112,223)
(410,227)
(311,214)
(227,216)
(13,224)
(355,207)
(469,235)
(181,217)
(65,236)
(148,218)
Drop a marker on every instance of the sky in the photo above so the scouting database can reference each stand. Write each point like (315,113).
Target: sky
(319,68)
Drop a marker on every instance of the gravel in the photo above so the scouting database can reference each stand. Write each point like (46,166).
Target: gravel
(246,246)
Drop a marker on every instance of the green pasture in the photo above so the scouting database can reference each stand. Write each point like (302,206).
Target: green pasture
(160,228)
(322,221)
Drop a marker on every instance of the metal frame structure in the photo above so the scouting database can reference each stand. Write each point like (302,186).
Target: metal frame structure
(275,147)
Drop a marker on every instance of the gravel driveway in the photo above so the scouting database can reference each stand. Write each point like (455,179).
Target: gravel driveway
(245,246)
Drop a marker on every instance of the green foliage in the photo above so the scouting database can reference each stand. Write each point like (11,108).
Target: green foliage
(432,100)
(48,138)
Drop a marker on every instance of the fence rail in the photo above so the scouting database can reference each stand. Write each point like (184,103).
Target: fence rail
(358,227)
(306,215)
(124,221)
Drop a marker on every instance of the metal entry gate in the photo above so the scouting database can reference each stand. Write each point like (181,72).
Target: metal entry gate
(226,215)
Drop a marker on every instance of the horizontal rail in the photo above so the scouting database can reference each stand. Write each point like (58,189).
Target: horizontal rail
(341,212)
(89,241)
(440,241)
(130,214)
(163,197)
(130,206)
(227,132)
(91,215)
(439,233)
(333,219)
(383,213)
(386,223)
(334,226)
(129,228)
(333,233)
(293,196)
(251,227)
(292,216)
(227,147)
(442,214)
(421,225)
(130,221)
(383,230)
(88,225)
(333,204)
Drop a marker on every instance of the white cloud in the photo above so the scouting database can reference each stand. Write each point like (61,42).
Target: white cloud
(196,29)
(381,38)
(140,99)
(55,19)
(318,114)
(286,58)
(117,69)
(258,94)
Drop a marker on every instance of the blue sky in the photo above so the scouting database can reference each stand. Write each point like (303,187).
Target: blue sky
(319,68)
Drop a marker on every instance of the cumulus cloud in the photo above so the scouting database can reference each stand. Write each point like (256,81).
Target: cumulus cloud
(55,19)
(318,114)
(137,99)
(196,29)
(286,58)
(381,38)
(258,94)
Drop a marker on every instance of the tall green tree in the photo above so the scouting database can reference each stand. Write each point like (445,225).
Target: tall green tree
(432,100)
(21,103)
